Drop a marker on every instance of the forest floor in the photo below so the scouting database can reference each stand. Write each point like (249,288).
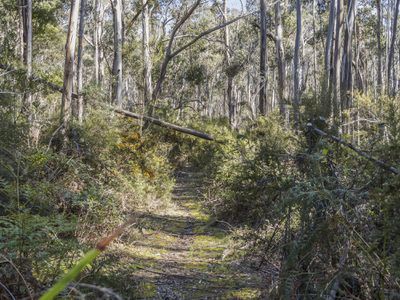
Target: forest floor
(183,253)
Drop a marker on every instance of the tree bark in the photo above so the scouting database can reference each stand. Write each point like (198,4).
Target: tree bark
(66,99)
(230,85)
(314,52)
(117,62)
(78,107)
(347,80)
(27,50)
(27,59)
(379,42)
(280,57)
(97,34)
(390,85)
(337,63)
(327,83)
(263,59)
(296,66)
(147,67)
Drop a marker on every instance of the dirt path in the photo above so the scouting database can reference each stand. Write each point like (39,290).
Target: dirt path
(183,253)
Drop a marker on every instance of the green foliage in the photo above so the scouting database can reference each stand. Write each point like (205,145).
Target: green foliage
(312,206)
(62,283)
(56,203)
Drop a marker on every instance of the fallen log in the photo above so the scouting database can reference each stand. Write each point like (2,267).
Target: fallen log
(126,113)
(164,124)
(372,159)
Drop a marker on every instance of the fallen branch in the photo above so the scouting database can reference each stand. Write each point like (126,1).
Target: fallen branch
(158,122)
(164,124)
(336,139)
(101,289)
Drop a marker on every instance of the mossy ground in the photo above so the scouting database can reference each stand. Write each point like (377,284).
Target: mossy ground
(178,251)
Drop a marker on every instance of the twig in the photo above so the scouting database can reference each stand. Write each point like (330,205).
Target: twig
(52,136)
(8,291)
(19,273)
(104,290)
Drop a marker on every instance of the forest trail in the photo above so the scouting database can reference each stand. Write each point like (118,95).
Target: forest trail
(184,253)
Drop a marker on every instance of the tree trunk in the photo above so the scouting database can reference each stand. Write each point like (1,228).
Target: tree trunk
(97,33)
(347,80)
(327,83)
(280,57)
(390,74)
(314,52)
(147,67)
(78,107)
(66,99)
(27,59)
(263,59)
(296,66)
(230,85)
(117,63)
(27,48)
(168,51)
(337,62)
(379,41)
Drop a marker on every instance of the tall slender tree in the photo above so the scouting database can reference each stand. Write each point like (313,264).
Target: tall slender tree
(327,83)
(296,65)
(230,96)
(263,59)
(379,42)
(66,99)
(337,62)
(97,34)
(347,61)
(117,62)
(78,107)
(390,71)
(27,47)
(147,67)
(280,57)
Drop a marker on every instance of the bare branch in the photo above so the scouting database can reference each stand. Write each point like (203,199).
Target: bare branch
(376,161)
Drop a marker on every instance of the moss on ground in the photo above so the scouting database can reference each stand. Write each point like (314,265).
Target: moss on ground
(179,252)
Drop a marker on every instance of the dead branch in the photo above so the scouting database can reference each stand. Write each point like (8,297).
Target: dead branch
(126,113)
(101,289)
(164,124)
(336,139)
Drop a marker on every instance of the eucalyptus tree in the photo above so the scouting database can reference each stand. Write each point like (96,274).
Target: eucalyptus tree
(117,61)
(280,56)
(66,100)
(147,66)
(263,59)
(78,107)
(391,69)
(296,65)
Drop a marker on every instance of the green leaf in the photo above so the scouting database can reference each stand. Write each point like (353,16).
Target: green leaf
(61,284)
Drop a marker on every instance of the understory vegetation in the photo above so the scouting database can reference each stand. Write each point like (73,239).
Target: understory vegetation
(316,216)
(199,149)
(55,205)
(311,214)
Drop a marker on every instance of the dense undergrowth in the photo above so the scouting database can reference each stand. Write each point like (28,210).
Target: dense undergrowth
(317,217)
(55,204)
(314,216)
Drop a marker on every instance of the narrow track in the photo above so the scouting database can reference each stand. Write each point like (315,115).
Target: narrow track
(184,253)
